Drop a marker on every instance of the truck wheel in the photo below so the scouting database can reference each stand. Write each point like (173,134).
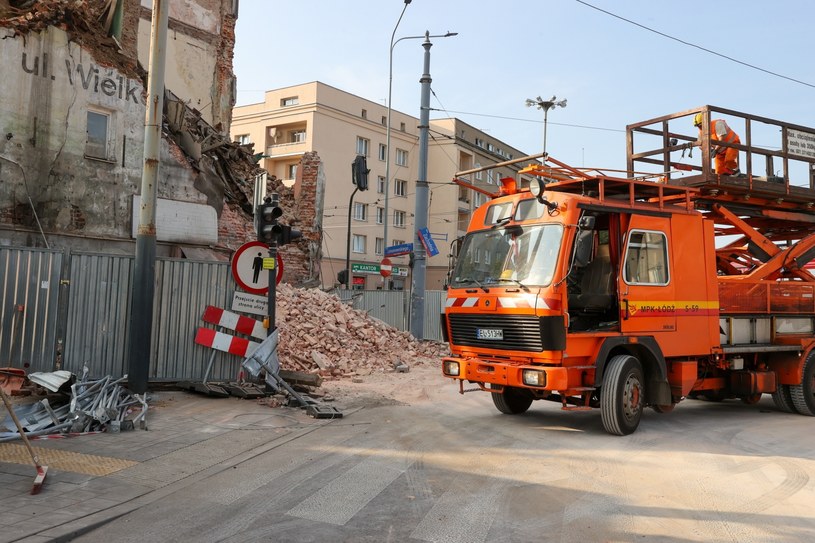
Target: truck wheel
(513,401)
(622,395)
(783,399)
(803,395)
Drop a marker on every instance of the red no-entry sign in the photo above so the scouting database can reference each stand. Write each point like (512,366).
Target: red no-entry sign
(385,267)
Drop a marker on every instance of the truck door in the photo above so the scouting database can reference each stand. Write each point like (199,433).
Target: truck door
(647,300)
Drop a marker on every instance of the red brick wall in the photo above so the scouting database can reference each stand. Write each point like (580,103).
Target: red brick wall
(302,208)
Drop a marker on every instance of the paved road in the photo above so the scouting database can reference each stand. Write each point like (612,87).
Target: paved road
(452,469)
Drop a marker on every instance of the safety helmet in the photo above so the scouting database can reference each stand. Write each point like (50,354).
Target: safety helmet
(697,120)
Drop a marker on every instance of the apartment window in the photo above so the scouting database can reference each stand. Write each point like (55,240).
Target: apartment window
(242,139)
(463,220)
(380,215)
(289,101)
(401,157)
(380,185)
(384,120)
(364,114)
(490,177)
(96,145)
(464,194)
(400,187)
(359,243)
(380,246)
(399,219)
(360,211)
(478,175)
(402,127)
(297,136)
(383,151)
(362,146)
(398,242)
(479,142)
(291,171)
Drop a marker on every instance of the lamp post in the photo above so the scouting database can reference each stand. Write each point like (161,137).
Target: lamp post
(388,127)
(545,105)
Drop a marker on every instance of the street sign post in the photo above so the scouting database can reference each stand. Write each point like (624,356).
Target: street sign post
(399,250)
(427,241)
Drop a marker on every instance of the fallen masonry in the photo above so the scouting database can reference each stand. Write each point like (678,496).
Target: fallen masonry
(321,334)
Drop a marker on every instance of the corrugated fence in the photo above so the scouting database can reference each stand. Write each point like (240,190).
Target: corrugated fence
(69,310)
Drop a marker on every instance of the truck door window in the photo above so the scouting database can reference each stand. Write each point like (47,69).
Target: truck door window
(646,258)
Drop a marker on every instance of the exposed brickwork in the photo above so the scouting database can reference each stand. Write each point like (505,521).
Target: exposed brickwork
(302,209)
(224,84)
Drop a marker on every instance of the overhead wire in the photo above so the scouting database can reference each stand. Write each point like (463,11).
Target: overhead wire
(689,44)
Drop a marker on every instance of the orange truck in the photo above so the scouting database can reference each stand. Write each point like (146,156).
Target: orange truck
(632,291)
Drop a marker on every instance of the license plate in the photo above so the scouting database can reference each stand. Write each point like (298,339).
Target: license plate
(489,333)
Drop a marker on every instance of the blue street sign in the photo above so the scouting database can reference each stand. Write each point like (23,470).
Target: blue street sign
(398,250)
(427,241)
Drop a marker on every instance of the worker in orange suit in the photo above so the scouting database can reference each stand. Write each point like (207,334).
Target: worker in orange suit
(725,159)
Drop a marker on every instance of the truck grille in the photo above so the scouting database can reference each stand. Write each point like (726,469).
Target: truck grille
(520,332)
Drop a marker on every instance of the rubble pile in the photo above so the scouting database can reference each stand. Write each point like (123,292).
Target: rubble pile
(320,334)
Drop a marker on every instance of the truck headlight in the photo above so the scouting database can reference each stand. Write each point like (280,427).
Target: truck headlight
(450,367)
(534,378)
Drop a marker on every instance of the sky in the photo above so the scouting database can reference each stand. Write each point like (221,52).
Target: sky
(612,72)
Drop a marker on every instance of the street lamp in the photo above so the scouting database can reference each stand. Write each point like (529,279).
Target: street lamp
(545,105)
(388,128)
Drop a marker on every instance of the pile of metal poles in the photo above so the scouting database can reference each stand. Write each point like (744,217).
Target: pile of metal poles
(94,405)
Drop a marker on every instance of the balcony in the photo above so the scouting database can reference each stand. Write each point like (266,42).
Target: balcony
(281,150)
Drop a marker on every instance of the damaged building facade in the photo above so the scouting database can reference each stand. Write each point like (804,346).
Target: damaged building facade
(72,112)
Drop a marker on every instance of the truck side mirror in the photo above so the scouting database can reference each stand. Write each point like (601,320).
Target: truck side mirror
(583,245)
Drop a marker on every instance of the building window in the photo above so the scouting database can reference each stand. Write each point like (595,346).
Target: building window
(297,136)
(398,242)
(362,146)
(360,211)
(490,177)
(463,220)
(400,187)
(364,114)
(291,170)
(380,215)
(464,194)
(243,139)
(380,246)
(384,121)
(383,151)
(290,101)
(402,127)
(399,219)
(401,157)
(359,243)
(97,142)
(380,185)
(478,175)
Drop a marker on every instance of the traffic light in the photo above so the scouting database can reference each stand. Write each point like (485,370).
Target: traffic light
(267,215)
(287,234)
(359,172)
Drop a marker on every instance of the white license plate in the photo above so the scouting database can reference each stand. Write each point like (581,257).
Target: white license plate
(489,333)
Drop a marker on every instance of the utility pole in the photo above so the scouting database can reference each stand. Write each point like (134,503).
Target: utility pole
(141,299)
(422,201)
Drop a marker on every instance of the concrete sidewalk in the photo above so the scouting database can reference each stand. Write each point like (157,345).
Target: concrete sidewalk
(94,478)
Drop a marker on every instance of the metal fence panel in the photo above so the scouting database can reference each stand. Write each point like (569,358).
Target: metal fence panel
(98,314)
(184,288)
(29,291)
(434,301)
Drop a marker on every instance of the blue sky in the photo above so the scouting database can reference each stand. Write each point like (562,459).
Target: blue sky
(613,73)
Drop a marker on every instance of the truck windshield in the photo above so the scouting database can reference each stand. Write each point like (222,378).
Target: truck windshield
(525,256)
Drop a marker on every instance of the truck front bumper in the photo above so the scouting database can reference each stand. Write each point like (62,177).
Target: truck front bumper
(514,374)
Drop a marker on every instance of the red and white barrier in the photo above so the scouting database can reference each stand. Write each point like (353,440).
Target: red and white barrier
(233,321)
(225,342)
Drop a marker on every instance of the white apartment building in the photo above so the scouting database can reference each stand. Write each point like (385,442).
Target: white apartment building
(338,126)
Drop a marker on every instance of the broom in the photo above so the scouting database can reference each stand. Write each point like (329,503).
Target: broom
(41,470)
